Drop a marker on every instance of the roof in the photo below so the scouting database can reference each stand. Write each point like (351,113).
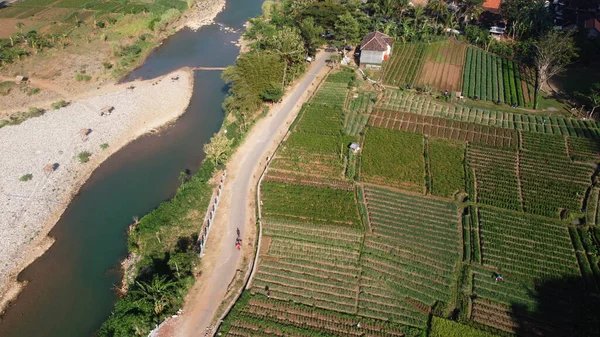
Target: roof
(492,5)
(376,41)
(592,23)
(355,146)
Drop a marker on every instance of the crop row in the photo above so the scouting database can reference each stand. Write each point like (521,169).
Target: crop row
(443,66)
(405,64)
(507,243)
(307,202)
(493,78)
(495,175)
(444,128)
(407,102)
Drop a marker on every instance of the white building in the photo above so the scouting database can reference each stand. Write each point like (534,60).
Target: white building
(374,49)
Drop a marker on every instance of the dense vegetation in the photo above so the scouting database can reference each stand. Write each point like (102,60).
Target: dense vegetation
(163,244)
(58,24)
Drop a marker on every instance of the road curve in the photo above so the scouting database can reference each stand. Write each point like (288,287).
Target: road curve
(242,184)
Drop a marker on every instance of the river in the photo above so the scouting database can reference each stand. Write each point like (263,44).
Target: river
(70,290)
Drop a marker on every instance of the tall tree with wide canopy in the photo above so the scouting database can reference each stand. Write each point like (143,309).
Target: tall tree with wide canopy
(553,52)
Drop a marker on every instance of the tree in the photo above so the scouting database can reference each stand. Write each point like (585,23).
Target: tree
(347,28)
(311,33)
(158,292)
(218,149)
(525,17)
(290,46)
(272,94)
(593,97)
(553,52)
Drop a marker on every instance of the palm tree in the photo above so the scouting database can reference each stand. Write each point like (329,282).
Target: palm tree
(159,292)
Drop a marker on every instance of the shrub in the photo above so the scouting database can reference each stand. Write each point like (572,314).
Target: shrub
(82,77)
(59,104)
(107,65)
(26,177)
(84,157)
(35,112)
(104,146)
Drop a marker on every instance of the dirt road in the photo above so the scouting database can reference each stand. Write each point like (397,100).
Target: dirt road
(233,212)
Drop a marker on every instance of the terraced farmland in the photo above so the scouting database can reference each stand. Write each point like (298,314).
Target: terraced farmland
(402,101)
(409,260)
(563,184)
(311,154)
(380,242)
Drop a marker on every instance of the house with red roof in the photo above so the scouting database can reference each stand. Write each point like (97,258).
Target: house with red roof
(593,27)
(374,49)
(492,6)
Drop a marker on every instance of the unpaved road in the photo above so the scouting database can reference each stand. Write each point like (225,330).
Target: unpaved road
(241,179)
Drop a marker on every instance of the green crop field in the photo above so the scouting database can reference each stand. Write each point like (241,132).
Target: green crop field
(492,78)
(407,236)
(316,152)
(447,169)
(394,158)
(405,64)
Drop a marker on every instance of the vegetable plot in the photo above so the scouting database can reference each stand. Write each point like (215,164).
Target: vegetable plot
(444,128)
(408,262)
(405,64)
(494,78)
(394,158)
(551,182)
(447,171)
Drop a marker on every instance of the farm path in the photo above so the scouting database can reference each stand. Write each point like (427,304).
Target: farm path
(223,261)
(39,83)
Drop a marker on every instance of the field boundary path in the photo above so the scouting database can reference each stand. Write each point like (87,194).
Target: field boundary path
(222,261)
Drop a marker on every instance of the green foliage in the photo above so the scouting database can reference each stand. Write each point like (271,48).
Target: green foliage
(251,75)
(441,327)
(272,94)
(82,77)
(164,241)
(104,146)
(59,104)
(84,156)
(26,177)
(447,170)
(394,158)
(323,205)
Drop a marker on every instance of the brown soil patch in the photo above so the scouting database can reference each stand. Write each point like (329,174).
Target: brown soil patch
(265,244)
(443,70)
(7,26)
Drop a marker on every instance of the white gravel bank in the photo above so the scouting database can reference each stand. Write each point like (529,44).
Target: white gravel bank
(28,210)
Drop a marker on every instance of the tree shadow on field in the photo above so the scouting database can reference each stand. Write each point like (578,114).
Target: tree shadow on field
(563,309)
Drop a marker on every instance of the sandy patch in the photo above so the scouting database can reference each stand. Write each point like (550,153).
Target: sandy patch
(202,13)
(30,209)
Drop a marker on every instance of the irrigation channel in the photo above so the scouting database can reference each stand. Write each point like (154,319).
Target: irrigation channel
(70,290)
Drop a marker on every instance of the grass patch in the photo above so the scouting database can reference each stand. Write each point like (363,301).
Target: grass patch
(26,177)
(6,87)
(84,156)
